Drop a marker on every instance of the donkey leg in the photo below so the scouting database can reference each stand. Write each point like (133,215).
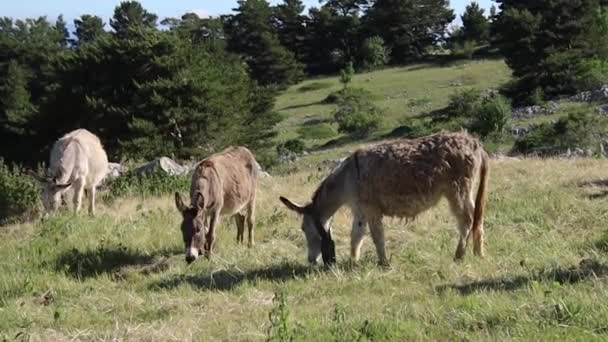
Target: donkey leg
(356,236)
(91,194)
(240,227)
(251,223)
(210,237)
(377,230)
(462,207)
(78,193)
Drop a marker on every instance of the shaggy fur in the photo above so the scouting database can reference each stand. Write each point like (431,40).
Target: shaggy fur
(402,179)
(223,184)
(78,162)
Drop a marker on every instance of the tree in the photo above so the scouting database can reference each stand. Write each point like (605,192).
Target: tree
(130,15)
(474,24)
(62,29)
(88,28)
(207,32)
(409,26)
(251,34)
(543,42)
(290,26)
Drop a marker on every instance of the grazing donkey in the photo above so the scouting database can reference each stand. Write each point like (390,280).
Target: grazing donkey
(223,184)
(78,162)
(401,178)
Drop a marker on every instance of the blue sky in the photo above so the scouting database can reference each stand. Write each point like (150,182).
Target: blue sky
(163,8)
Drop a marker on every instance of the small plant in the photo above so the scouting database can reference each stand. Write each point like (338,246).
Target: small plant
(357,115)
(462,104)
(279,329)
(19,193)
(291,146)
(492,116)
(346,75)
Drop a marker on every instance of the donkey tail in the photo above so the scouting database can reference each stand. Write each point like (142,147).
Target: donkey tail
(480,204)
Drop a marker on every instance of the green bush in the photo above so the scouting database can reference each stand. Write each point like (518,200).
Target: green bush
(296,146)
(374,53)
(357,115)
(462,104)
(146,185)
(464,49)
(317,131)
(592,73)
(490,118)
(579,129)
(19,194)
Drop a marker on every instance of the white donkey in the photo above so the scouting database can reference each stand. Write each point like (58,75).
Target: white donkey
(78,162)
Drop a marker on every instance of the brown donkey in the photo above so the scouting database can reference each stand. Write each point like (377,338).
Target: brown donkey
(402,179)
(223,184)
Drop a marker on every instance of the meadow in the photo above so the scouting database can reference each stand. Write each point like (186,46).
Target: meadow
(122,274)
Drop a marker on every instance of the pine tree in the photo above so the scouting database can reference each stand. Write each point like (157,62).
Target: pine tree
(88,28)
(475,24)
(251,34)
(543,42)
(409,26)
(130,15)
(290,26)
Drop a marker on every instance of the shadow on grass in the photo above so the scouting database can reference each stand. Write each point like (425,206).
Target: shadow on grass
(303,105)
(596,184)
(587,268)
(106,260)
(228,279)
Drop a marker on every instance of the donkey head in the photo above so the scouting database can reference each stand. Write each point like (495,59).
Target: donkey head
(318,237)
(193,226)
(51,190)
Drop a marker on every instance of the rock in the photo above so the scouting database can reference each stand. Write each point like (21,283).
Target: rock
(115,170)
(164,164)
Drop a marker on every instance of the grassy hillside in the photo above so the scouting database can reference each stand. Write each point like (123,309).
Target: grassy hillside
(122,275)
(401,92)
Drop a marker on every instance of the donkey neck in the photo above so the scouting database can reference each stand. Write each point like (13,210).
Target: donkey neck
(335,191)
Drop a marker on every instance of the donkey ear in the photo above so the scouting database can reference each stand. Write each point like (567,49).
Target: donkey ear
(200,201)
(289,204)
(179,202)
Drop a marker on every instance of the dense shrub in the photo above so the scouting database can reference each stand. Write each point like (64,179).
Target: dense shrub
(462,104)
(490,118)
(465,49)
(317,131)
(374,53)
(579,129)
(19,193)
(357,115)
(592,73)
(146,185)
(296,146)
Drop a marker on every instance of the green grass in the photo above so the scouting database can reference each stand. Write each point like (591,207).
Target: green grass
(401,92)
(122,275)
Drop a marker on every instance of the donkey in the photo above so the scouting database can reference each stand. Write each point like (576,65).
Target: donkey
(78,162)
(401,179)
(223,184)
